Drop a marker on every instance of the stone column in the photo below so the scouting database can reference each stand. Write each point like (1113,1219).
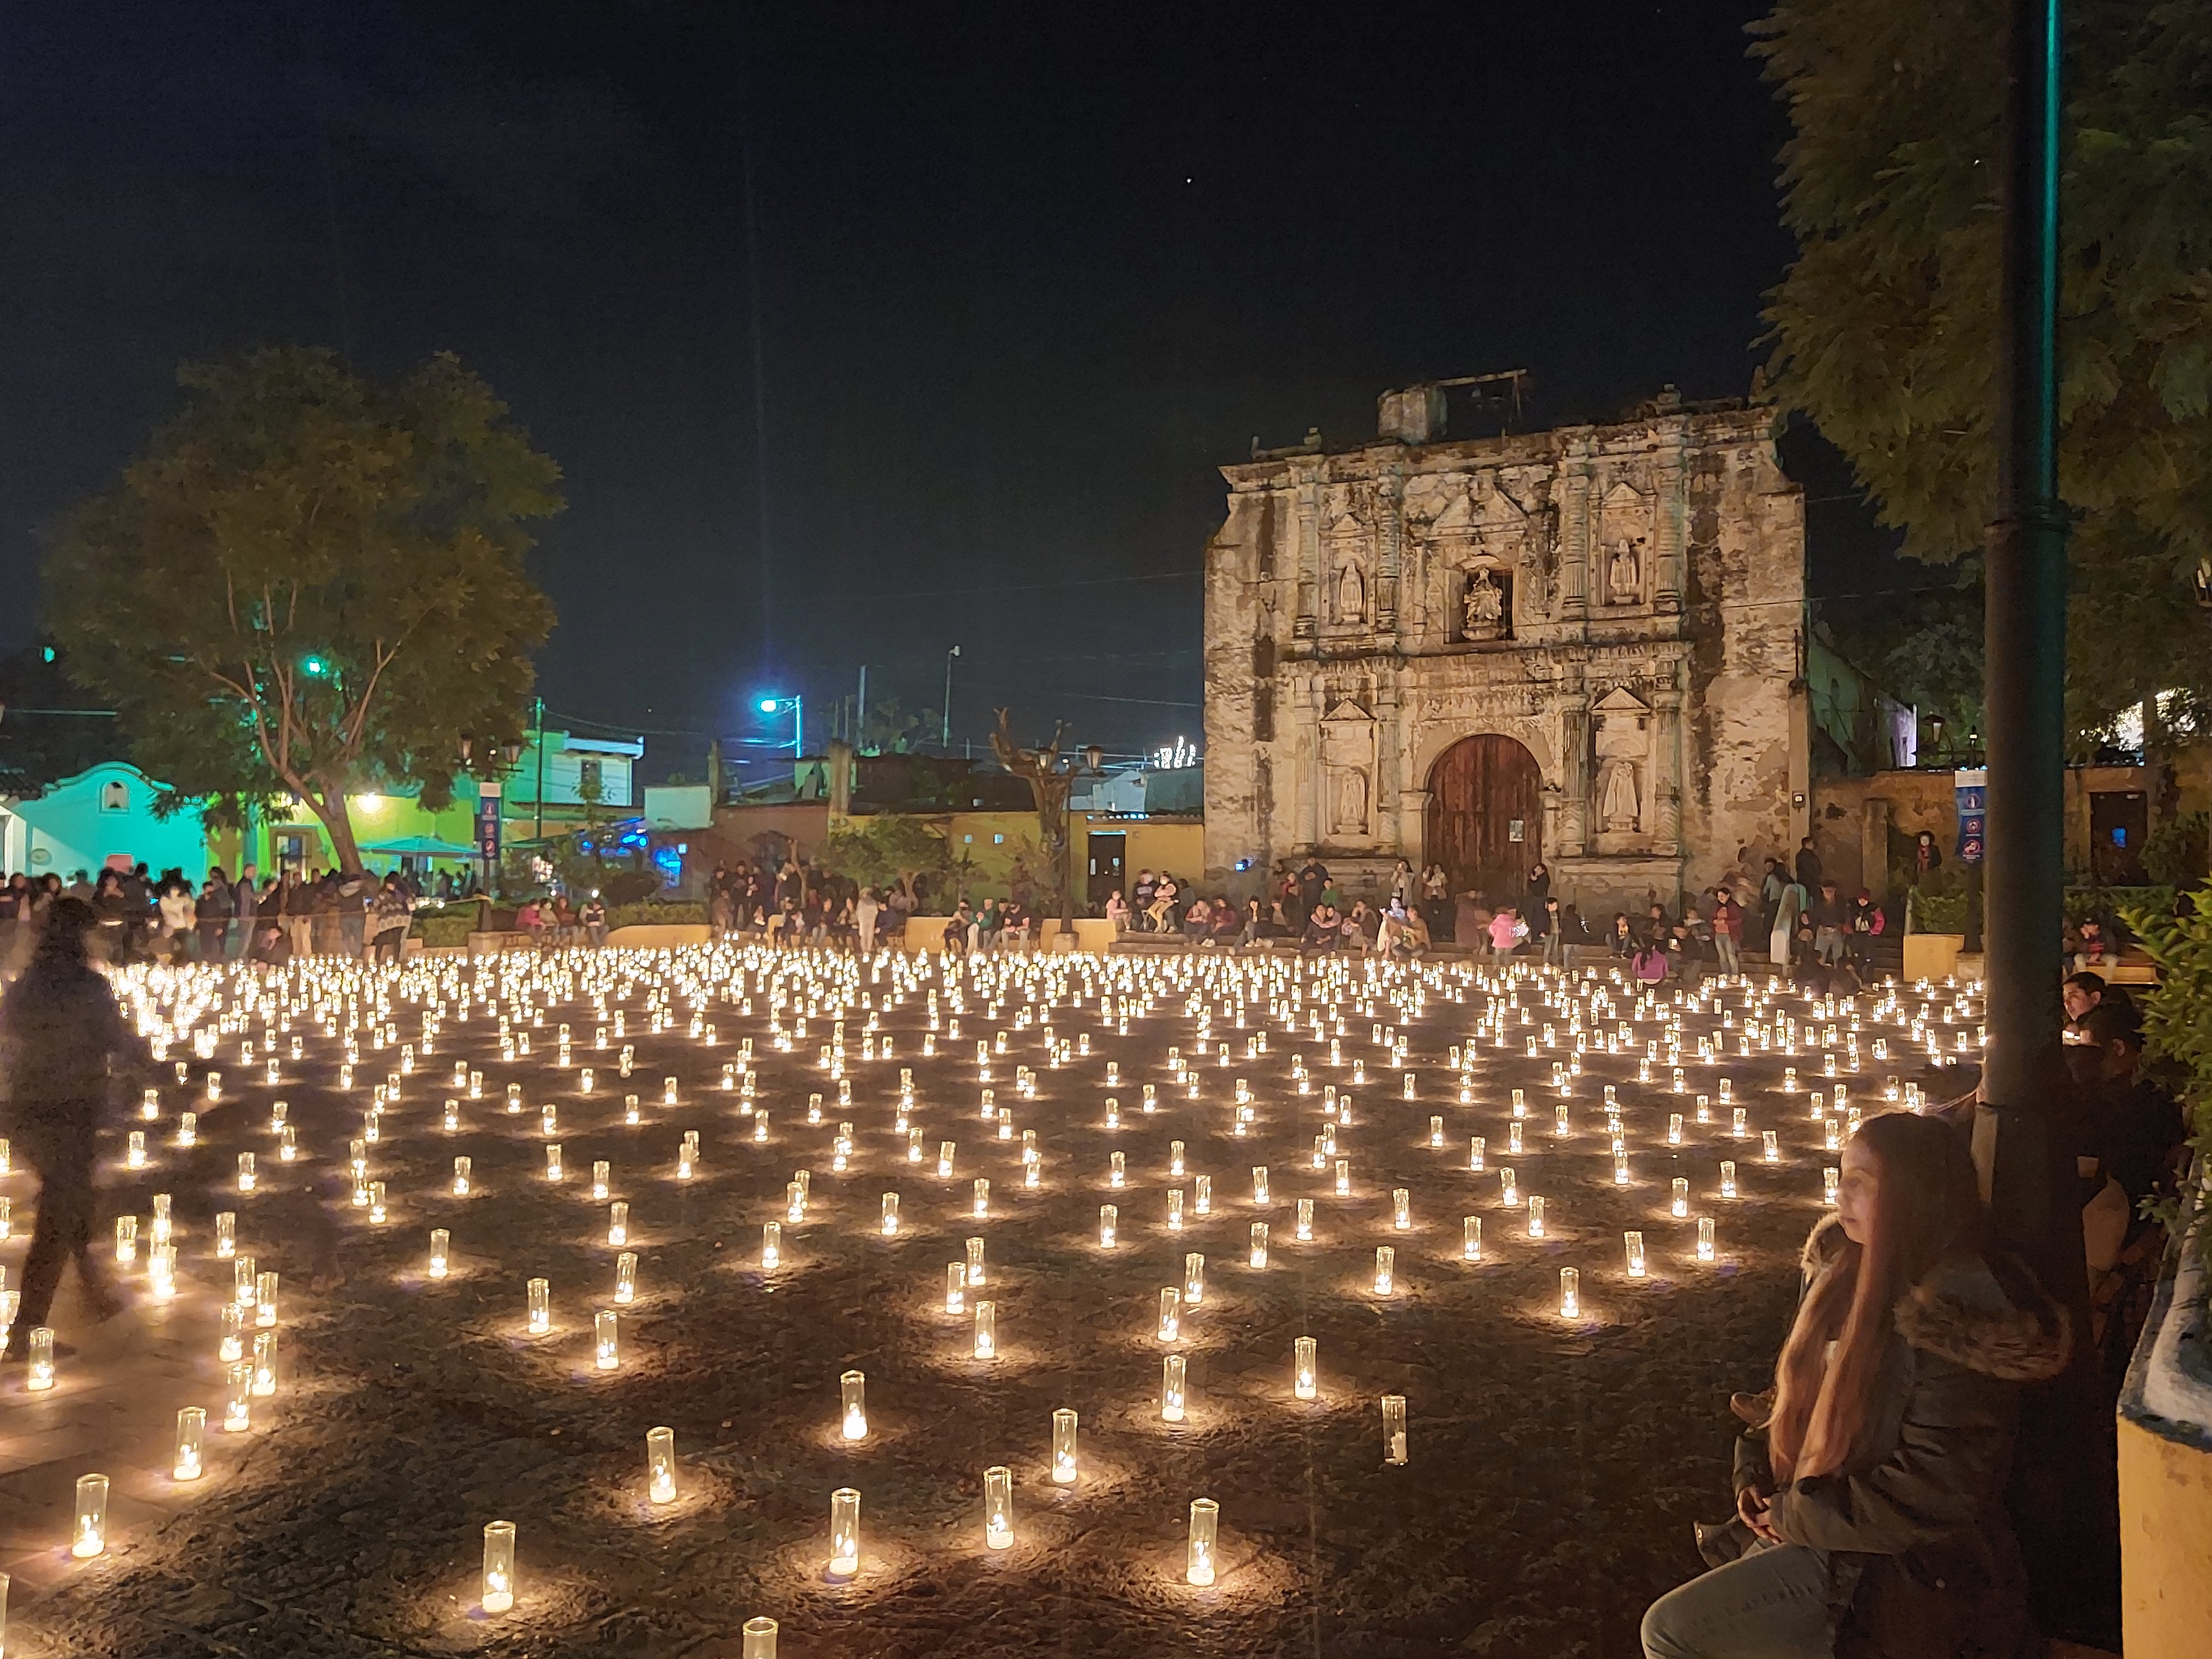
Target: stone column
(1574,540)
(1389,530)
(1390,745)
(1574,773)
(1672,509)
(1307,503)
(1413,826)
(1667,771)
(1313,805)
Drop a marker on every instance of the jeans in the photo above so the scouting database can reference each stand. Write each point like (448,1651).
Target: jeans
(1731,963)
(1828,943)
(61,1234)
(1771,1603)
(1555,949)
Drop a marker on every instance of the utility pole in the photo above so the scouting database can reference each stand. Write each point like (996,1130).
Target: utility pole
(861,720)
(2064,1504)
(540,790)
(945,734)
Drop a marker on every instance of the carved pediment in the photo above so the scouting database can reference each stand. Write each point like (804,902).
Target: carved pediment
(1620,701)
(1344,709)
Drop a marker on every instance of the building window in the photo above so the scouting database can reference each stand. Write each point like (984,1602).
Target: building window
(115,796)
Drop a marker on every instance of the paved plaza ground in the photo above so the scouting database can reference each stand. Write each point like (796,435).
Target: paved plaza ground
(1554,1463)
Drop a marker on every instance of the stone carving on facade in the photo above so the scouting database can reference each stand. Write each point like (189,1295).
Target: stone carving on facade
(1625,529)
(1482,609)
(1347,760)
(1624,573)
(1622,744)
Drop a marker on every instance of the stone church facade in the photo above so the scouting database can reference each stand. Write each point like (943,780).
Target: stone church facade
(1582,646)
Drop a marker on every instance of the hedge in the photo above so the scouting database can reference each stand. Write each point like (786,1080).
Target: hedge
(654,915)
(445,928)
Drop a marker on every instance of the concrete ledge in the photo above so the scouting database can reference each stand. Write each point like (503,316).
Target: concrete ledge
(1932,956)
(659,935)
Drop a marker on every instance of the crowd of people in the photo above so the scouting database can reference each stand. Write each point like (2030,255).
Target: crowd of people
(1806,929)
(140,916)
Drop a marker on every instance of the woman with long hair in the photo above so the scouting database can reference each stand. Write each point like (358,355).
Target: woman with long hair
(1871,1497)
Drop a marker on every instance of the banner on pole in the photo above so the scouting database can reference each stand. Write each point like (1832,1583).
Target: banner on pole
(1970,792)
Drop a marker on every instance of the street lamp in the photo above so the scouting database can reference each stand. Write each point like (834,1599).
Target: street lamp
(1093,757)
(797,704)
(945,732)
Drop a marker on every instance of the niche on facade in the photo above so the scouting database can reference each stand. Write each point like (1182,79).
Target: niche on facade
(1348,774)
(1620,788)
(1623,560)
(1485,603)
(1479,539)
(1347,553)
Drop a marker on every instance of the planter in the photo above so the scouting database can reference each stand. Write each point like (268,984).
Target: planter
(1932,956)
(2166,1462)
(659,936)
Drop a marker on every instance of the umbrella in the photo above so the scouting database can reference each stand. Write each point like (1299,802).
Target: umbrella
(422,846)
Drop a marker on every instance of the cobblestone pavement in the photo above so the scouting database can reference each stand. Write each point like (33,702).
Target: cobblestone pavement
(1554,1463)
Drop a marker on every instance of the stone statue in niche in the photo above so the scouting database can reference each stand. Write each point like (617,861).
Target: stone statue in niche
(1624,579)
(1619,808)
(1351,593)
(1482,611)
(1349,802)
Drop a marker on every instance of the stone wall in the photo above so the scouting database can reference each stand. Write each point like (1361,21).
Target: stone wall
(1627,602)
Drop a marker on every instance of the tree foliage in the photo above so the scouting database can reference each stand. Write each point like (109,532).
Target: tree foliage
(309,584)
(2178,1012)
(1886,328)
(889,850)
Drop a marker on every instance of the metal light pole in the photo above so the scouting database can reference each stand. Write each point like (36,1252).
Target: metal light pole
(944,733)
(2063,1501)
(2025,627)
(1093,757)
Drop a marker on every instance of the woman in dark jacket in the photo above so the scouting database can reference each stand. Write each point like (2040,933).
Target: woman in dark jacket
(59,1029)
(1871,1500)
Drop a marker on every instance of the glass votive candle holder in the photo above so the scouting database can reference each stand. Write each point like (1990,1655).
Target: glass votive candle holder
(660,1466)
(1393,1428)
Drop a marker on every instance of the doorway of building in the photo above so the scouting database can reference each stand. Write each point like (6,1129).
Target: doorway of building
(1109,859)
(2119,822)
(1485,816)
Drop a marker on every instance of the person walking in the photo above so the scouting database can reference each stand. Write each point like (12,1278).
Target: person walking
(1789,909)
(1727,931)
(61,1032)
(1870,1512)
(211,916)
(246,903)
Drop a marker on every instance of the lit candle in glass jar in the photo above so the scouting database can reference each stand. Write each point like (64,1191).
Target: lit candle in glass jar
(844,1533)
(1205,1520)
(1063,1447)
(987,1330)
(998,1507)
(1304,1371)
(1633,1241)
(1108,1216)
(1471,1236)
(1680,1203)
(852,1389)
(441,1240)
(89,1537)
(1704,1238)
(661,1465)
(1259,1244)
(1172,1383)
(1571,1283)
(498,1595)
(1393,1428)
(1386,1265)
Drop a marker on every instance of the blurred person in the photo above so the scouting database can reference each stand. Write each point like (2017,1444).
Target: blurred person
(63,1037)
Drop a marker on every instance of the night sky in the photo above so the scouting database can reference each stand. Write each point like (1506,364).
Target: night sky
(1018,280)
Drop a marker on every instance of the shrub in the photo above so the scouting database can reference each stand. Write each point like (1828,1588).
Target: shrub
(446,927)
(2176,854)
(1936,913)
(2177,1012)
(654,915)
(624,888)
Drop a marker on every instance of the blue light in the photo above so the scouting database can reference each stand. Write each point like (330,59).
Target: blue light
(767,705)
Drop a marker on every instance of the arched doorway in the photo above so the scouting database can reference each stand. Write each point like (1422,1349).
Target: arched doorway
(1485,816)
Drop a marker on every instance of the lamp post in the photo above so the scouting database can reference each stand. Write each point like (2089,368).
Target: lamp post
(1093,757)
(944,731)
(797,703)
